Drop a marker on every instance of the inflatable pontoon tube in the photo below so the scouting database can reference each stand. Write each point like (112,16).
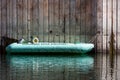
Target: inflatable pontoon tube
(50,47)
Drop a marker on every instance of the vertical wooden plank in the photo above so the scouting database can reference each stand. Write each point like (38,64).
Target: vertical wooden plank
(93,32)
(41,20)
(72,20)
(83,7)
(118,23)
(64,22)
(37,18)
(29,19)
(105,23)
(22,21)
(73,3)
(34,12)
(0,16)
(58,23)
(61,20)
(116,39)
(50,21)
(109,19)
(85,21)
(56,26)
(73,8)
(4,20)
(69,15)
(0,23)
(77,19)
(11,19)
(53,20)
(66,16)
(45,22)
(25,20)
(4,17)
(8,15)
(85,12)
(19,19)
(14,19)
(99,23)
(69,20)
(89,12)
(80,20)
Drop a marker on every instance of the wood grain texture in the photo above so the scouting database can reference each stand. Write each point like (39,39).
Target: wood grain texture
(41,36)
(49,20)
(3,17)
(24,20)
(0,22)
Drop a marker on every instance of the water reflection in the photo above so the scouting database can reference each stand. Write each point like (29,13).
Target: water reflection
(111,63)
(51,67)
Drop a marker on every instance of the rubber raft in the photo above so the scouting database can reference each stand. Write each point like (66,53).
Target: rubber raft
(50,47)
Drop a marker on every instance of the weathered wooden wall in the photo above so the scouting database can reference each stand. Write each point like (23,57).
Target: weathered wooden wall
(108,12)
(50,20)
(108,15)
(60,20)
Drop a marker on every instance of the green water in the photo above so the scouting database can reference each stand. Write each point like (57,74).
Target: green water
(47,67)
(95,66)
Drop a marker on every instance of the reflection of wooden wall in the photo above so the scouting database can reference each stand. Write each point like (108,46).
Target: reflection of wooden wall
(105,20)
(50,20)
